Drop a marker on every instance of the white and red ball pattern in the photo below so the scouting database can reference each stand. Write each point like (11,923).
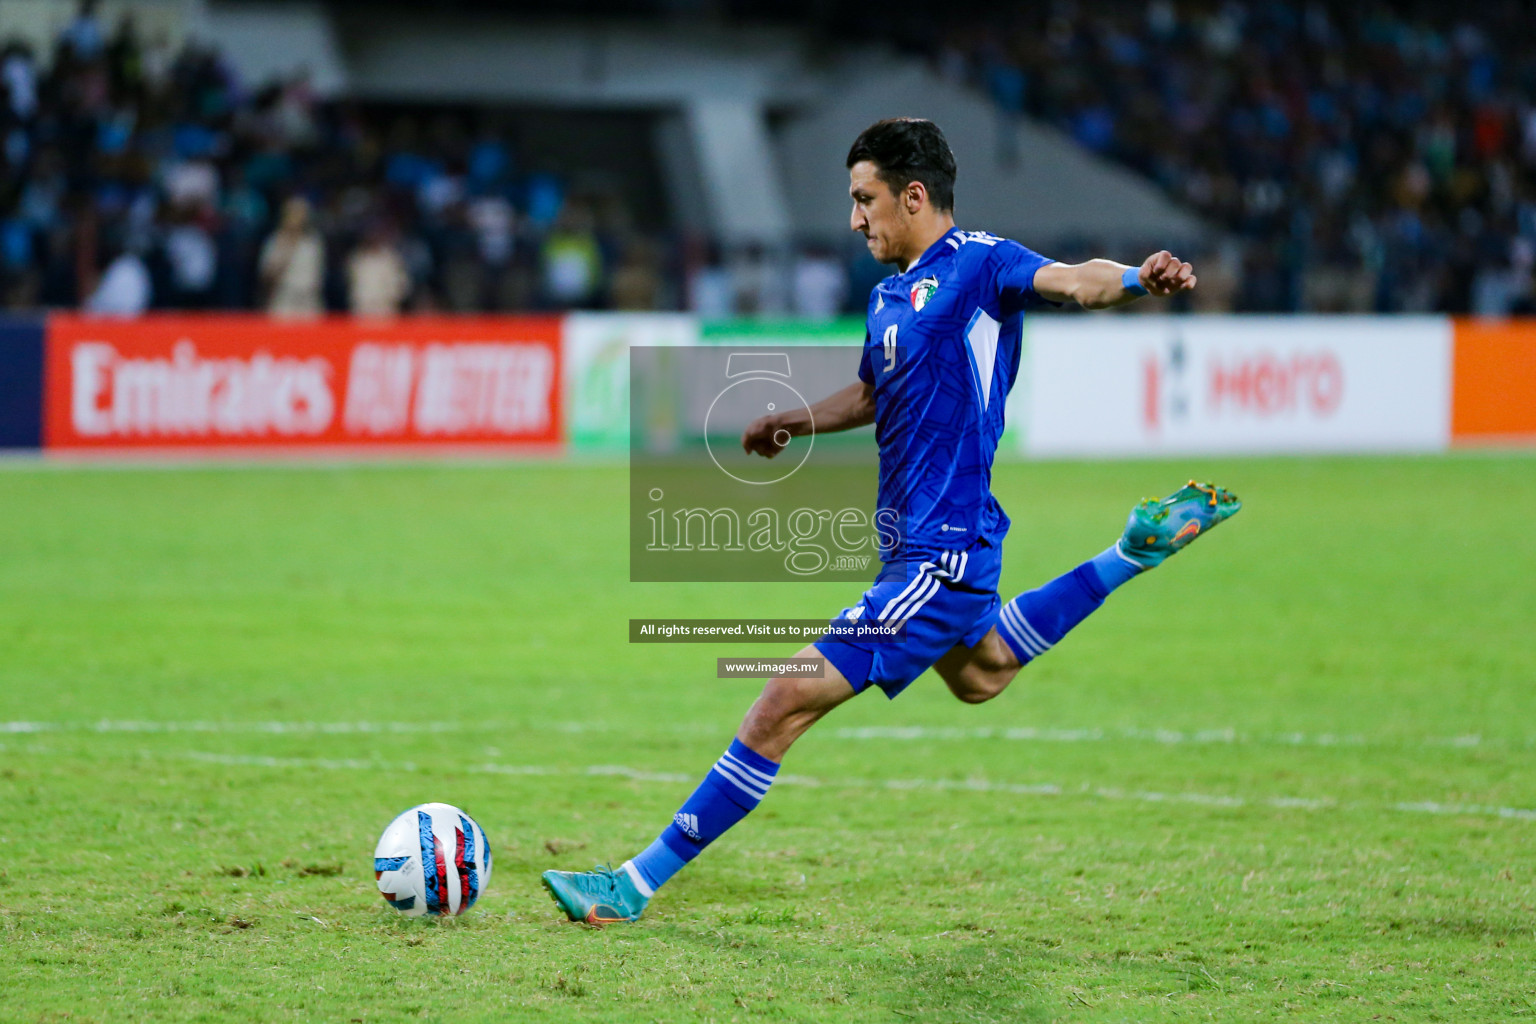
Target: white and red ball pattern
(432,859)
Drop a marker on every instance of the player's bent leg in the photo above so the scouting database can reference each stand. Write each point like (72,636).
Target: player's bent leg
(733,788)
(1036,620)
(788,707)
(980,672)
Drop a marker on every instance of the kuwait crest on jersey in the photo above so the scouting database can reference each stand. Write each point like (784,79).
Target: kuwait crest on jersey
(922,291)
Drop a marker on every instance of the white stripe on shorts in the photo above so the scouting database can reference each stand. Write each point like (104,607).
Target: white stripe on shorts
(917,601)
(919,581)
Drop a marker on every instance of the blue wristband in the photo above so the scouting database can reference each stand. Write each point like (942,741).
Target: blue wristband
(1131,279)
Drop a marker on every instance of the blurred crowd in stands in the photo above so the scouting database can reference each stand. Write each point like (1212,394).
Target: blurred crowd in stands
(1349,158)
(1363,155)
(139,177)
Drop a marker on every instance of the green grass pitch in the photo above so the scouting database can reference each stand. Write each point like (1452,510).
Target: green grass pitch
(1287,776)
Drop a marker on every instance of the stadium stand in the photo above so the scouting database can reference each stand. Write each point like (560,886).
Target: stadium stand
(136,176)
(1367,156)
(1348,157)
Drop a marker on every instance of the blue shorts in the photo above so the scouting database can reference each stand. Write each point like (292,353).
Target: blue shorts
(943,598)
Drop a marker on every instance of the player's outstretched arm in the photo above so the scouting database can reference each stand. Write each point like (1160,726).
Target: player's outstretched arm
(1099,284)
(853,406)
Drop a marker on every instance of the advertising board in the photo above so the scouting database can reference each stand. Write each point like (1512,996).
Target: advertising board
(1150,385)
(21,381)
(248,382)
(1494,397)
(595,357)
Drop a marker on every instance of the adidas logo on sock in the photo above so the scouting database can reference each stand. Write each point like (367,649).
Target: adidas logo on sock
(689,823)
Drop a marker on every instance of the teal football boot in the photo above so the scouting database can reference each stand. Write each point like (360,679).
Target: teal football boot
(600,896)
(1157,529)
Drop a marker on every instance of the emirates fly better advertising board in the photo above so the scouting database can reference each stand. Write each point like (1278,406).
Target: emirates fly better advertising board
(250,383)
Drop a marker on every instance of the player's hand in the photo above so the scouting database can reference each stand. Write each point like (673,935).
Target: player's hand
(1163,274)
(766,436)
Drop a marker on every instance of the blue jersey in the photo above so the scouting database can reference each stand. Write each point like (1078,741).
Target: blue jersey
(942,350)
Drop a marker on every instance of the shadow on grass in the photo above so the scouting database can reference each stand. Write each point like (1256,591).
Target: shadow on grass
(962,976)
(979,981)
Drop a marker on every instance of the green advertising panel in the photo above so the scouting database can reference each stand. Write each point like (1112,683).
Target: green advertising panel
(595,350)
(847,330)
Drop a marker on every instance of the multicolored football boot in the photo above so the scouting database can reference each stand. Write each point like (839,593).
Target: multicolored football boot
(1157,529)
(600,896)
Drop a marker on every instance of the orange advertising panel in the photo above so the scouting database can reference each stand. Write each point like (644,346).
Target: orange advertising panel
(1493,397)
(248,382)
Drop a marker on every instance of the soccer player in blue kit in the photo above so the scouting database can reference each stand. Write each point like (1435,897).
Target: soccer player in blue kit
(941,352)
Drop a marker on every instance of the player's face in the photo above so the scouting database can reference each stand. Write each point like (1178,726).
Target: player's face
(877,214)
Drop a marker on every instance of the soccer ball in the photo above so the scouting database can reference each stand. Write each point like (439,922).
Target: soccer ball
(432,859)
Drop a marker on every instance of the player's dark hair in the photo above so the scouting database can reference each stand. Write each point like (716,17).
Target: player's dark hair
(908,149)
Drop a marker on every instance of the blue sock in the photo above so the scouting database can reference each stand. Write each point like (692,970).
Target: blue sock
(733,787)
(1036,620)
(1114,569)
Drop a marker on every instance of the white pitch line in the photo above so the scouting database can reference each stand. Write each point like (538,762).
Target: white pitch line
(973,785)
(1484,810)
(896,733)
(271,728)
(1166,737)
(323,763)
